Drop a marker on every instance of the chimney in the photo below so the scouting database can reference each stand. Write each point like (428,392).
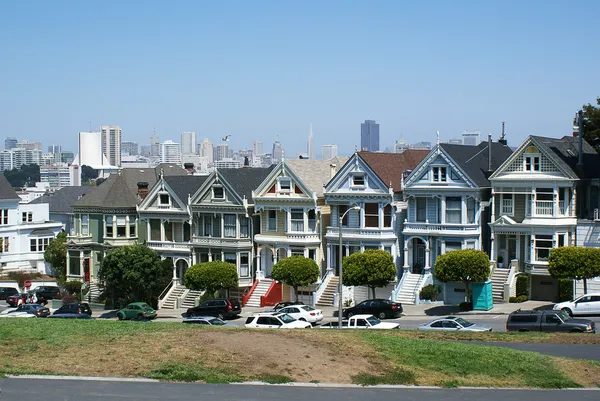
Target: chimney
(142,189)
(502,140)
(189,167)
(332,170)
(246,161)
(490,152)
(580,135)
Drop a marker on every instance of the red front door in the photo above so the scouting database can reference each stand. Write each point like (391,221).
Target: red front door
(86,270)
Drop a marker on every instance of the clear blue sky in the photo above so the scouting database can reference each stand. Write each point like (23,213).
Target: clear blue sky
(258,69)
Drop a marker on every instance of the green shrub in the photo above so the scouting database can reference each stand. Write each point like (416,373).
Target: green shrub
(465,306)
(517,300)
(73,287)
(565,289)
(523,285)
(430,292)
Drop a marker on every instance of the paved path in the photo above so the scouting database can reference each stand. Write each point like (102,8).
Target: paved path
(574,351)
(67,390)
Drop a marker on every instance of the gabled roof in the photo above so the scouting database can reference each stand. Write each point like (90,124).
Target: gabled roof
(473,160)
(315,173)
(120,190)
(244,180)
(390,166)
(61,200)
(7,192)
(566,154)
(185,185)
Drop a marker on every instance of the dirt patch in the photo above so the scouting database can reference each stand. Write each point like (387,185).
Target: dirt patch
(583,372)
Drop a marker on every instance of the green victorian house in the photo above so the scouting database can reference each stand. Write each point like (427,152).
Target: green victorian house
(106,218)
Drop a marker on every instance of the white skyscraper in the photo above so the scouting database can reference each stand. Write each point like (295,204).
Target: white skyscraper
(170,152)
(154,145)
(310,146)
(257,148)
(329,152)
(188,143)
(278,153)
(206,150)
(471,138)
(111,143)
(220,152)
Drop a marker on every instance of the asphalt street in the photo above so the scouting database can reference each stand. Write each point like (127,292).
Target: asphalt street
(42,389)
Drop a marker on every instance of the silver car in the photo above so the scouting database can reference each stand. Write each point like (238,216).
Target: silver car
(452,323)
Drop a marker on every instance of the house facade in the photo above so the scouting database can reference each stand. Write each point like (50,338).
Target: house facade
(537,196)
(60,203)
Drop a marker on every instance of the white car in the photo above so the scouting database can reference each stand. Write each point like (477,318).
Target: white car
(275,321)
(12,313)
(303,312)
(588,304)
(452,323)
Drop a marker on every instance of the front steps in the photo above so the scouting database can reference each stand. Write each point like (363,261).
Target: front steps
(408,292)
(327,297)
(498,279)
(171,301)
(260,290)
(190,299)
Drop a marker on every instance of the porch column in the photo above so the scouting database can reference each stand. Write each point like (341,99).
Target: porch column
(210,256)
(162,230)
(259,271)
(380,215)
(68,264)
(174,271)
(492,208)
(288,252)
(329,258)
(555,198)
(572,203)
(463,209)
(127,226)
(443,247)
(148,231)
(427,255)
(492,247)
(443,210)
(193,258)
(405,255)
(347,250)
(81,264)
(532,249)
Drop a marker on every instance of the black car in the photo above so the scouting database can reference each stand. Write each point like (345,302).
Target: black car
(381,308)
(74,309)
(34,309)
(46,293)
(6,292)
(70,316)
(222,308)
(286,303)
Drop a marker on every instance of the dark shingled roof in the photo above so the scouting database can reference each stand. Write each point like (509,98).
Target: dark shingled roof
(120,190)
(473,160)
(6,190)
(245,180)
(61,200)
(185,185)
(390,166)
(566,151)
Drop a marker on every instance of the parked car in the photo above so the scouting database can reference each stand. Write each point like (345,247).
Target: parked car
(361,322)
(136,310)
(14,313)
(275,320)
(71,316)
(303,312)
(13,300)
(588,304)
(382,308)
(222,308)
(283,304)
(548,321)
(34,309)
(205,321)
(452,323)
(46,293)
(6,292)
(74,308)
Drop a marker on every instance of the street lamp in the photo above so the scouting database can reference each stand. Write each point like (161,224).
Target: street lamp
(340,285)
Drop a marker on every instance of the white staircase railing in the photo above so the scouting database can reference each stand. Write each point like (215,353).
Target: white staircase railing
(424,280)
(509,284)
(166,293)
(398,286)
(323,286)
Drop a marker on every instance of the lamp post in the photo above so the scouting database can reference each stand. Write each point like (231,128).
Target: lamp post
(340,285)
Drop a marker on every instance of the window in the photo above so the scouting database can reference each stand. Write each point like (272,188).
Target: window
(155,230)
(470,211)
(532,163)
(244,227)
(271,220)
(187,229)
(371,215)
(75,263)
(244,265)
(85,224)
(312,220)
(453,209)
(4,217)
(72,226)
(109,226)
(216,226)
(4,244)
(121,227)
(285,185)
(132,231)
(218,193)
(27,217)
(297,220)
(230,258)
(439,174)
(507,205)
(421,209)
(312,253)
(229,225)
(39,244)
(207,225)
(168,227)
(164,200)
(358,180)
(342,209)
(542,245)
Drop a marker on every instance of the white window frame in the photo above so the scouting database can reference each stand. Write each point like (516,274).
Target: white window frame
(5,245)
(436,173)
(280,187)
(269,228)
(455,211)
(507,210)
(529,160)
(297,221)
(85,231)
(244,268)
(229,226)
(218,199)
(27,217)
(535,245)
(360,176)
(160,202)
(244,232)
(3,217)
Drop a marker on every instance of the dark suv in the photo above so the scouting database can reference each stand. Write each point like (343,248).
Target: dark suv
(548,321)
(46,293)
(74,309)
(222,308)
(381,308)
(6,292)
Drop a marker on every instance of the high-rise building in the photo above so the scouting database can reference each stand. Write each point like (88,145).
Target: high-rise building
(257,148)
(145,150)
(10,143)
(54,149)
(471,138)
(369,136)
(205,150)
(62,175)
(400,146)
(310,148)
(278,152)
(188,143)
(420,145)
(66,156)
(26,156)
(6,160)
(129,148)
(170,152)
(220,152)
(111,143)
(29,145)
(154,145)
(329,152)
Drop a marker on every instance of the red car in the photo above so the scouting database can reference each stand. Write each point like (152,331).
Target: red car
(13,300)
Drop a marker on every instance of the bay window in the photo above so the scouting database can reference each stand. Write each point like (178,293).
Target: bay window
(85,224)
(297,220)
(542,245)
(216,226)
(421,209)
(244,265)
(230,258)
(121,226)
(342,209)
(155,230)
(168,226)
(271,220)
(186,231)
(371,215)
(312,220)
(108,224)
(453,209)
(244,227)
(132,225)
(387,216)
(207,225)
(229,228)
(470,210)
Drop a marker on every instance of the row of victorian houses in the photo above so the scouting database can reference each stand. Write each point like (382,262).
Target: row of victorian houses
(416,205)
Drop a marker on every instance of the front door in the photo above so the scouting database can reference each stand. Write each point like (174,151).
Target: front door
(86,270)
(511,243)
(419,257)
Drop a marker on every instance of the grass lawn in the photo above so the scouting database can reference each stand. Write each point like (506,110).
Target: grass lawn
(177,352)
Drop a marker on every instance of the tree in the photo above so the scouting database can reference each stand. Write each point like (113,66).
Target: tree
(296,271)
(135,272)
(373,268)
(591,124)
(56,255)
(211,277)
(466,265)
(575,263)
(26,175)
(88,174)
